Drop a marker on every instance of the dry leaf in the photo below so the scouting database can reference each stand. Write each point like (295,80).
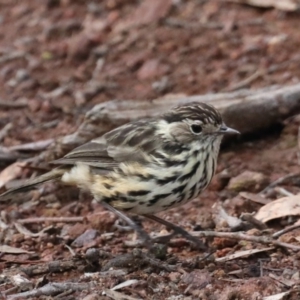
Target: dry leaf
(124,284)
(11,172)
(286,5)
(280,296)
(243,253)
(12,250)
(118,296)
(286,206)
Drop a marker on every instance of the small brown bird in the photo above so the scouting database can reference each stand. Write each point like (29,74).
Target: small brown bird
(146,166)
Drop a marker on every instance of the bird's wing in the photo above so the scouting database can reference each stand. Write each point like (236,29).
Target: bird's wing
(130,142)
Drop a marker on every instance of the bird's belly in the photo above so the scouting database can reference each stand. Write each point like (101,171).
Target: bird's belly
(164,189)
(138,202)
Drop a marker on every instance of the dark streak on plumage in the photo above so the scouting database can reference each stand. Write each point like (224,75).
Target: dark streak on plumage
(170,204)
(140,136)
(106,199)
(173,148)
(156,198)
(172,163)
(194,111)
(192,190)
(191,173)
(138,193)
(204,172)
(107,186)
(179,189)
(167,179)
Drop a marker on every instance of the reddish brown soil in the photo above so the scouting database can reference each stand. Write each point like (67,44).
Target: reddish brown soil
(144,49)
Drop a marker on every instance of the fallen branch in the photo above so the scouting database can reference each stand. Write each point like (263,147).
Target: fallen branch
(137,258)
(34,146)
(58,266)
(52,289)
(241,236)
(246,110)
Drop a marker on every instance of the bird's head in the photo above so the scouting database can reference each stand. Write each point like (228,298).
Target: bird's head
(195,121)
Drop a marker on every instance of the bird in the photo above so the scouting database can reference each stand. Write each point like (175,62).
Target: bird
(146,166)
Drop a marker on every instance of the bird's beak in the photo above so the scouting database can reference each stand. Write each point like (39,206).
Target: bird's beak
(227,130)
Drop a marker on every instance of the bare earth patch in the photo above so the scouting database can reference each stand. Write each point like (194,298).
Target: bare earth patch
(58,58)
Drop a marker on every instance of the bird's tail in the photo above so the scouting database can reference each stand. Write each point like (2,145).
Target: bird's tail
(54,174)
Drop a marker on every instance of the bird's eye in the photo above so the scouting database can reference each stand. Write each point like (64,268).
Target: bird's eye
(196,128)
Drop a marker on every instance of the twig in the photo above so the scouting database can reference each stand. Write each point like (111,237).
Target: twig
(4,131)
(134,259)
(252,220)
(246,81)
(279,233)
(11,56)
(6,156)
(153,262)
(255,198)
(52,219)
(298,152)
(279,181)
(35,146)
(13,104)
(58,266)
(240,254)
(288,283)
(283,192)
(175,22)
(51,289)
(241,236)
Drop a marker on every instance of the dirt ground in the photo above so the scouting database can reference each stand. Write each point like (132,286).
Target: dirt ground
(58,58)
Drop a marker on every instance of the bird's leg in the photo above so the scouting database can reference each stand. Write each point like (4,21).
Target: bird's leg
(178,230)
(142,234)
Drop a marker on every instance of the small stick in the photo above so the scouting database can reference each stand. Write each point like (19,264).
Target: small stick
(4,131)
(246,81)
(252,220)
(241,236)
(52,219)
(52,289)
(279,181)
(279,233)
(13,104)
(34,146)
(152,261)
(298,152)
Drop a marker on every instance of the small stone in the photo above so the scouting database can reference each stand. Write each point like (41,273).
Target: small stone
(151,69)
(174,276)
(34,105)
(162,86)
(76,230)
(87,237)
(248,181)
(102,221)
(196,279)
(80,46)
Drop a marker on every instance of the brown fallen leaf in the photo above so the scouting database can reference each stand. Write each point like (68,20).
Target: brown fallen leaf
(11,172)
(285,5)
(286,206)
